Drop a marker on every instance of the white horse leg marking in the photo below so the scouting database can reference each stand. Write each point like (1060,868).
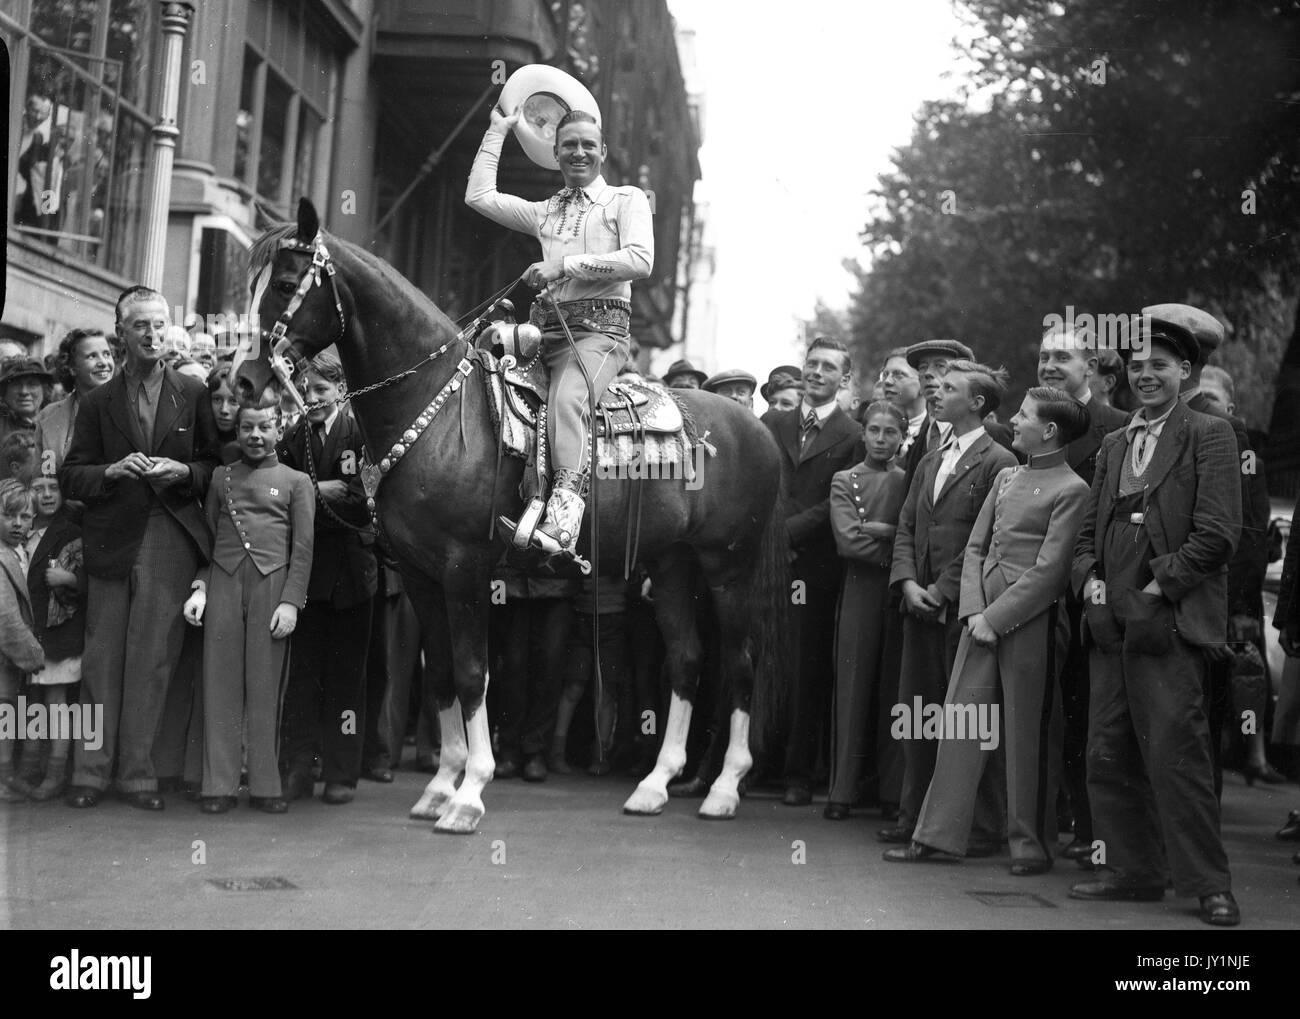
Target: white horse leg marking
(651,795)
(465,809)
(451,762)
(724,795)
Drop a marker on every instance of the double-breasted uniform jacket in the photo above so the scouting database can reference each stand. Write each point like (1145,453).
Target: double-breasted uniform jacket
(1081,454)
(932,534)
(117,511)
(269,511)
(343,569)
(806,482)
(20,651)
(1192,514)
(1025,536)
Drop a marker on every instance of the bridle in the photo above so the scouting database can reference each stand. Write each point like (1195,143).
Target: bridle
(283,359)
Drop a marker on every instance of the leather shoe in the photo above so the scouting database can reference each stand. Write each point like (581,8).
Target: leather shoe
(1290,832)
(903,835)
(336,793)
(1109,890)
(147,800)
(83,796)
(836,812)
(507,767)
(695,789)
(296,785)
(981,849)
(377,774)
(1030,868)
(1079,849)
(535,769)
(269,804)
(216,804)
(915,852)
(797,796)
(1220,910)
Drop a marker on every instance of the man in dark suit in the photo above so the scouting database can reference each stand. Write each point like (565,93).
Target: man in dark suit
(1150,563)
(942,505)
(817,440)
(1250,561)
(143,450)
(1069,359)
(325,700)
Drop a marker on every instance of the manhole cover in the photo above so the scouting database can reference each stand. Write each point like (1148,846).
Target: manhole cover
(253,884)
(1012,900)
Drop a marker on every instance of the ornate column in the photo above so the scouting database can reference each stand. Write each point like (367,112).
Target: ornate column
(175,21)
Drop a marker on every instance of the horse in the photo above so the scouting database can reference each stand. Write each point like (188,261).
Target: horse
(435,504)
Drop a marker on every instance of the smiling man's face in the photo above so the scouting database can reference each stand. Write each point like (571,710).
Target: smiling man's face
(580,151)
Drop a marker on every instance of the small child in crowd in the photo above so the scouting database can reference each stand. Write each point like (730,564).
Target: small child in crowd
(56,585)
(262,515)
(224,408)
(20,651)
(864,505)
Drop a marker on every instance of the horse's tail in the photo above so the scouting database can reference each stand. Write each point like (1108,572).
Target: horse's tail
(769,635)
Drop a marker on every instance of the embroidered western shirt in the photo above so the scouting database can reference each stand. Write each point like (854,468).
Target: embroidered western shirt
(604,234)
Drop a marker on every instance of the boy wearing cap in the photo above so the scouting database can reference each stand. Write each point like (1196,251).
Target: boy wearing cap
(1162,523)
(943,502)
(25,387)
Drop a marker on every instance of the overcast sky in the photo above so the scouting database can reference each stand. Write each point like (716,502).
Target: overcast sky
(804,104)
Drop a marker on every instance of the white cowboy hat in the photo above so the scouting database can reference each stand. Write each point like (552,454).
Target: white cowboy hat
(547,94)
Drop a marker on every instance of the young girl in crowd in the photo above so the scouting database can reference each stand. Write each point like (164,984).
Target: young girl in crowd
(224,407)
(56,584)
(864,504)
(20,651)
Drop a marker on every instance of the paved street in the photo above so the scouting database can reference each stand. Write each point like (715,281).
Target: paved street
(568,859)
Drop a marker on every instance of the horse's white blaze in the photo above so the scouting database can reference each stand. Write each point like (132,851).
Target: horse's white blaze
(451,762)
(465,809)
(652,794)
(250,339)
(724,795)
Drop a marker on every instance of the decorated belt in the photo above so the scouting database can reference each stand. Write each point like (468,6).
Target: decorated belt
(605,311)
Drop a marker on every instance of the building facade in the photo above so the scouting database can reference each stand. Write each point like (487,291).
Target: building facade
(373,109)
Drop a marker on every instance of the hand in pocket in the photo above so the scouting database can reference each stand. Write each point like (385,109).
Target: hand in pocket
(1148,623)
(1102,627)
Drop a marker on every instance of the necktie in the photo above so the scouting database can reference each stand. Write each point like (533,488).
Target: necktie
(932,437)
(1144,445)
(23,559)
(317,443)
(952,453)
(807,428)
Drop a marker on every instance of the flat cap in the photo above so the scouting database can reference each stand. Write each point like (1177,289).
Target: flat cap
(783,376)
(1170,334)
(1204,327)
(730,375)
(684,367)
(954,349)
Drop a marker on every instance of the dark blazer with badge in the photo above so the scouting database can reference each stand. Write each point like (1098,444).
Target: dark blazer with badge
(1192,513)
(932,535)
(1081,454)
(806,480)
(117,511)
(343,568)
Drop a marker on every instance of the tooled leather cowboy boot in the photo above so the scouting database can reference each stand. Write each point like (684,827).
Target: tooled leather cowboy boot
(558,533)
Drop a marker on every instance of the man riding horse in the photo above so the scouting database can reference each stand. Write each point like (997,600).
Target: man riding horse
(595,240)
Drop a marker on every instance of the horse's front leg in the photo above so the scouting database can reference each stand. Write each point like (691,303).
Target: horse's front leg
(467,605)
(435,638)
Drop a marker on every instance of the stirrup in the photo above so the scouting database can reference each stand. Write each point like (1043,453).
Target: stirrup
(521,534)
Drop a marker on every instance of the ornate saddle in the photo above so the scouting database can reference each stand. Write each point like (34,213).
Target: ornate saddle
(641,429)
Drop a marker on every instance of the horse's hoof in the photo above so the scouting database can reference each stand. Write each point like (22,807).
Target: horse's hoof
(459,819)
(431,805)
(646,801)
(718,806)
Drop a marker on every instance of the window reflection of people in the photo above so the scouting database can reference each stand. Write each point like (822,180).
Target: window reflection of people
(33,162)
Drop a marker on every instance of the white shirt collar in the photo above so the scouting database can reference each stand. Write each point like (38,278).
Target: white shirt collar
(1139,422)
(914,424)
(823,412)
(329,421)
(1086,398)
(964,442)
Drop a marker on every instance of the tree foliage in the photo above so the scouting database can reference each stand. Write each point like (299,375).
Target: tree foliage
(1106,155)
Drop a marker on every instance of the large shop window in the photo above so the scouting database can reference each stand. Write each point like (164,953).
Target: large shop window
(286,96)
(79,182)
